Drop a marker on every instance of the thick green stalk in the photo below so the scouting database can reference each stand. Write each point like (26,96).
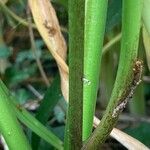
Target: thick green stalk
(95,18)
(9,126)
(73,136)
(127,76)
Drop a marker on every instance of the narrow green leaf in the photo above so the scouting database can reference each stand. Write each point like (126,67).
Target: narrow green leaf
(9,126)
(38,128)
(32,123)
(51,98)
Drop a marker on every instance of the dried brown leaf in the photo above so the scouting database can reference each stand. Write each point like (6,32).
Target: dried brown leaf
(48,26)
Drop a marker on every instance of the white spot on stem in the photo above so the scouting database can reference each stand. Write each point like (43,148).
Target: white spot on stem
(86,81)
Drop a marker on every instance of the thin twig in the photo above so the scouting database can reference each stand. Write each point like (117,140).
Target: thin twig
(21,20)
(39,64)
(106,47)
(35,92)
(13,15)
(133,118)
(146,79)
(5,146)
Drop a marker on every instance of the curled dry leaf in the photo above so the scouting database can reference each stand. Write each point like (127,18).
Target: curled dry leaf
(47,24)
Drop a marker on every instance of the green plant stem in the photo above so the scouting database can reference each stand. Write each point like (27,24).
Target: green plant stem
(95,19)
(32,123)
(73,134)
(129,47)
(9,126)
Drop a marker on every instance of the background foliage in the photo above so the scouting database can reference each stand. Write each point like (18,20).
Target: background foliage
(19,71)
